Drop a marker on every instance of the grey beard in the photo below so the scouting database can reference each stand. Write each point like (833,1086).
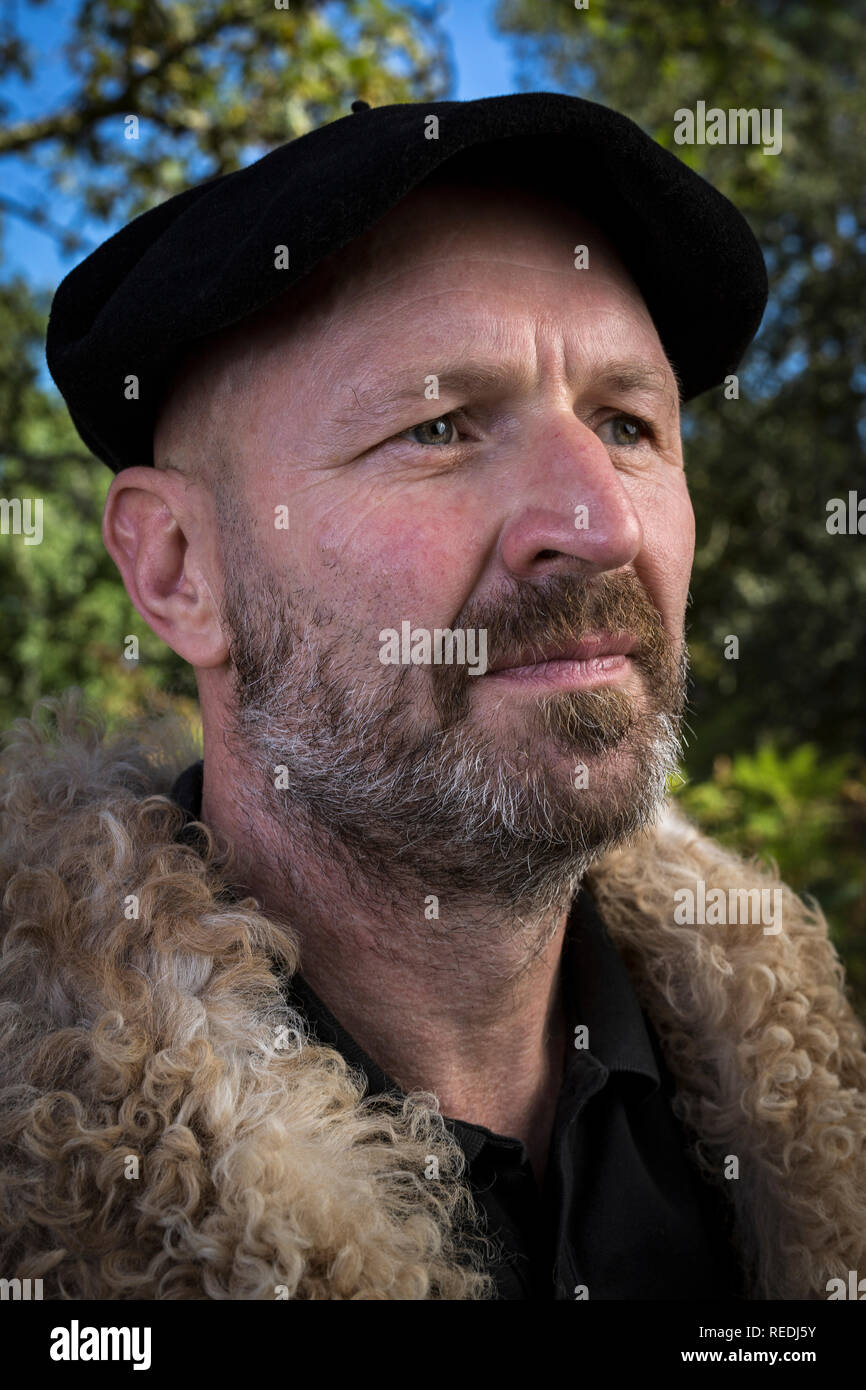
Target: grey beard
(406,813)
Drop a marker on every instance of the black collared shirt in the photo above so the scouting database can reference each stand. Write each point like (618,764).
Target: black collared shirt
(623,1213)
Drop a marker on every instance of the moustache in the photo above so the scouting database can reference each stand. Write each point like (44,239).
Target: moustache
(553,614)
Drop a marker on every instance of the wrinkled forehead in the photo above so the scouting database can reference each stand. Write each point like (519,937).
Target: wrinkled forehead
(456,214)
(461,213)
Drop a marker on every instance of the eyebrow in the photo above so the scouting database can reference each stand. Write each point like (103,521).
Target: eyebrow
(379,401)
(639,376)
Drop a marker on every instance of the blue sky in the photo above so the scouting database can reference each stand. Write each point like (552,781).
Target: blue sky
(484,61)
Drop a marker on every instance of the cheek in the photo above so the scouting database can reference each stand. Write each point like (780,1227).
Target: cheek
(669,543)
(405,560)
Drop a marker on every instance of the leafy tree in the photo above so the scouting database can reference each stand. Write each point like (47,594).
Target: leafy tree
(806,814)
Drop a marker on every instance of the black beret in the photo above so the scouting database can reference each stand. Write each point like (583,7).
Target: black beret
(205,258)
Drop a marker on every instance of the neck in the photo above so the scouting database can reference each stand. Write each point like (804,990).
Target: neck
(459,997)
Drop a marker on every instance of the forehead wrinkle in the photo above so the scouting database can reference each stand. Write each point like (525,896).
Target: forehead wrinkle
(377,400)
(609,277)
(401,240)
(417,266)
(306,324)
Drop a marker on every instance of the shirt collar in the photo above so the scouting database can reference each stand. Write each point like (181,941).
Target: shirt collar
(187,790)
(602,996)
(597,990)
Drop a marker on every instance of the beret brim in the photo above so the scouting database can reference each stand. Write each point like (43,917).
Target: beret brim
(204,259)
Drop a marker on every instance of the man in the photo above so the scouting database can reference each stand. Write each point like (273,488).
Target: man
(405,1006)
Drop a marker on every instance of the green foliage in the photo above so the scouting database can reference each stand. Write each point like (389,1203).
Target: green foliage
(806,814)
(214,83)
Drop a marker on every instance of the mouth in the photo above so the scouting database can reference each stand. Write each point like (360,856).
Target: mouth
(601,658)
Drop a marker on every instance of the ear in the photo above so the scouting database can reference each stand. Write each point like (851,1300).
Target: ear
(160,529)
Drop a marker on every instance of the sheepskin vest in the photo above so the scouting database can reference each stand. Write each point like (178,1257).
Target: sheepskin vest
(169,1130)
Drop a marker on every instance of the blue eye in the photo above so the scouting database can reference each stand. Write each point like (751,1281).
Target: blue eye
(442,431)
(629,430)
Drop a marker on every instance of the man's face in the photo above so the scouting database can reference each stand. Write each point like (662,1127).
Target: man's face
(527,501)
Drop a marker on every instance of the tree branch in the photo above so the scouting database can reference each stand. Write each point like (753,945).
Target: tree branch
(86,112)
(73,240)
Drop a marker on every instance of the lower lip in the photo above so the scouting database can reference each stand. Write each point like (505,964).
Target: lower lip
(599,670)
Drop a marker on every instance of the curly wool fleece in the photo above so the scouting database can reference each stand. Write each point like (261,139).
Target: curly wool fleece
(168,1130)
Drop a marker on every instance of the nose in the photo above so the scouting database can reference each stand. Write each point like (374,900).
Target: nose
(573,510)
